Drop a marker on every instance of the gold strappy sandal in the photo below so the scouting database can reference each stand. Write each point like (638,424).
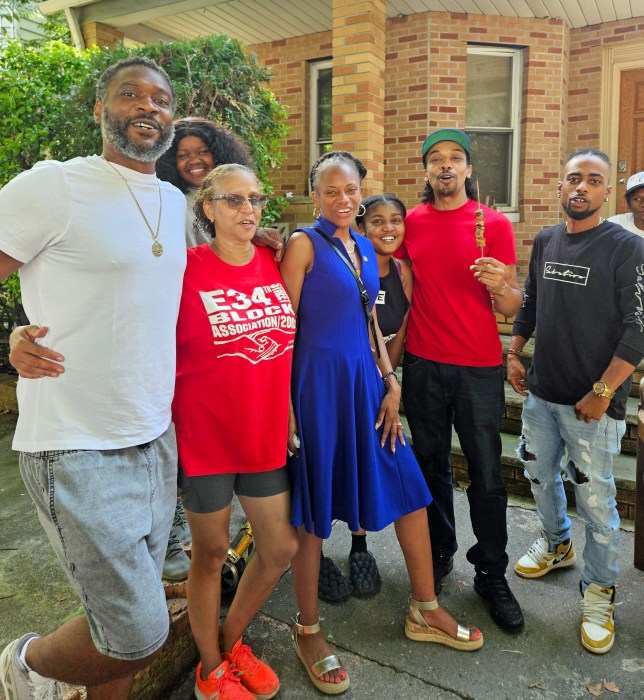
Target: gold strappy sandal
(419,631)
(319,668)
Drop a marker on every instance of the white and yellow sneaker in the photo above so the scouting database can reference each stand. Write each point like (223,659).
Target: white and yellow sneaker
(597,623)
(540,559)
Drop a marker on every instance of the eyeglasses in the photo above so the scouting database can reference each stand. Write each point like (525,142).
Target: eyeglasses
(237,201)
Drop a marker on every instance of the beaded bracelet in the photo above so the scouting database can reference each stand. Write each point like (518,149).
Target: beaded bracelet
(387,375)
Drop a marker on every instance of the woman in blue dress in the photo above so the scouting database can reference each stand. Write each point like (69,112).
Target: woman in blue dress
(383,223)
(350,458)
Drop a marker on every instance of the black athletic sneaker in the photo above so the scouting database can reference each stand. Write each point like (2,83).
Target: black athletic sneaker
(504,607)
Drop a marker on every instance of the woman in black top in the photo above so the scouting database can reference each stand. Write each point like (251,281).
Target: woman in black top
(383,223)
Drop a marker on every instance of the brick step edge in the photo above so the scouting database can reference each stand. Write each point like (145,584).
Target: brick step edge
(516,482)
(512,426)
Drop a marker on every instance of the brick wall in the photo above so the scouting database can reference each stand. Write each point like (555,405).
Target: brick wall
(586,45)
(289,63)
(359,40)
(425,89)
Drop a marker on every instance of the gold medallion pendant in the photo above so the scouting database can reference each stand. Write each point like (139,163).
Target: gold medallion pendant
(157,248)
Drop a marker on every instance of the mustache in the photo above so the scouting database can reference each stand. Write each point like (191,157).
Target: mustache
(144,117)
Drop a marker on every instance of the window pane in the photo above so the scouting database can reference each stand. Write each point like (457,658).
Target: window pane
(324,127)
(491,155)
(323,148)
(489,91)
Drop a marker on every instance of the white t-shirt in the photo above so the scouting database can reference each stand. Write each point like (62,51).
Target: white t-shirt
(194,238)
(111,306)
(627,221)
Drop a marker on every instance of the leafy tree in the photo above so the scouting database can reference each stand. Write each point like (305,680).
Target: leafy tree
(54,27)
(47,95)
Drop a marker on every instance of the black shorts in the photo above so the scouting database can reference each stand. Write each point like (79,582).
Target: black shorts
(213,492)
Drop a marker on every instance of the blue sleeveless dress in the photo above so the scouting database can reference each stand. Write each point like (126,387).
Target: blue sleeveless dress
(341,471)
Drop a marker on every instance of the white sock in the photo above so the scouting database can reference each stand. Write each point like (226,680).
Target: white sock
(22,658)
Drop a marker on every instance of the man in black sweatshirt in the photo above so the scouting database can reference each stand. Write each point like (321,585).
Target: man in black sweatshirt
(584,296)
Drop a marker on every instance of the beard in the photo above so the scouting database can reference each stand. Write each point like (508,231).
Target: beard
(446,188)
(579,215)
(115,132)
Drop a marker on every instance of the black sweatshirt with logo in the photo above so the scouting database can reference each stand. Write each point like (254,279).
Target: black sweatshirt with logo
(584,300)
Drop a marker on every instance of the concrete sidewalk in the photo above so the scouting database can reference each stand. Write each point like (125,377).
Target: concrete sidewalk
(545,661)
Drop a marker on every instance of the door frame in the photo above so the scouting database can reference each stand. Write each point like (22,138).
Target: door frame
(615,59)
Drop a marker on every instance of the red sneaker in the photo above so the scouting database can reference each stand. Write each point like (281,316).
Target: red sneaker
(221,684)
(256,676)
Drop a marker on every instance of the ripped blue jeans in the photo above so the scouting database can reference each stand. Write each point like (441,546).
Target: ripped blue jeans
(555,445)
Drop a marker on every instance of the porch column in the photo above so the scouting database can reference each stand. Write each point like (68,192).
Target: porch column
(98,34)
(359,84)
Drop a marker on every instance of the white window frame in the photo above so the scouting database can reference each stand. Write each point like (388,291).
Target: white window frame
(515,116)
(314,141)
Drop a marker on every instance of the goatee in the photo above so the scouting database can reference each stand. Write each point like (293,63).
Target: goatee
(579,215)
(116,134)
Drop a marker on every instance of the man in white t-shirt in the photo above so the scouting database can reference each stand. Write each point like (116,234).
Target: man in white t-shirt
(634,219)
(100,246)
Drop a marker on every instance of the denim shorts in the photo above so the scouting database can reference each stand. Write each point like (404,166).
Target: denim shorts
(212,492)
(108,514)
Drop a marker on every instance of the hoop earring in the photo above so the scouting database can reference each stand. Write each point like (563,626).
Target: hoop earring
(319,213)
(361,213)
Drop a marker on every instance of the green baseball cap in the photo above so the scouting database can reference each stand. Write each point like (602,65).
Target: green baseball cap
(456,135)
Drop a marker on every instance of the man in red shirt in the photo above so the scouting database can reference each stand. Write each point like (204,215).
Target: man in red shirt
(452,371)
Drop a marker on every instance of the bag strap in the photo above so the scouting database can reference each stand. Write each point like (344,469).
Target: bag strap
(364,295)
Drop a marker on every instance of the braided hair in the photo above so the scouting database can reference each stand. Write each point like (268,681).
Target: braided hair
(334,158)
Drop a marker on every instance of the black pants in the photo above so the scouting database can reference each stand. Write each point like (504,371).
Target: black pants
(435,396)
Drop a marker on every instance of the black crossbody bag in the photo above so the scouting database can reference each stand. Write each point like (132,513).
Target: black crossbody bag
(364,295)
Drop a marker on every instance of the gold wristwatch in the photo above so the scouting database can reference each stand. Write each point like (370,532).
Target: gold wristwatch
(600,389)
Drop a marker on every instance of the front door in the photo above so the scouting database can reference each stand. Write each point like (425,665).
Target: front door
(630,150)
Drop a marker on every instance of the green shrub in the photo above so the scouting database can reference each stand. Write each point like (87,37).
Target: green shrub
(47,95)
(35,82)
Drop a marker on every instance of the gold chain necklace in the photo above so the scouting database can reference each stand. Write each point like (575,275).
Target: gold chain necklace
(157,248)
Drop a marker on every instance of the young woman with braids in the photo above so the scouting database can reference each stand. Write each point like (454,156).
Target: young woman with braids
(352,461)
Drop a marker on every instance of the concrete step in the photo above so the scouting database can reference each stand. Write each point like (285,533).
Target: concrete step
(511,421)
(517,483)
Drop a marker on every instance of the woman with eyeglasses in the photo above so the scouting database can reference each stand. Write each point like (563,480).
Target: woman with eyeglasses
(235,336)
(198,145)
